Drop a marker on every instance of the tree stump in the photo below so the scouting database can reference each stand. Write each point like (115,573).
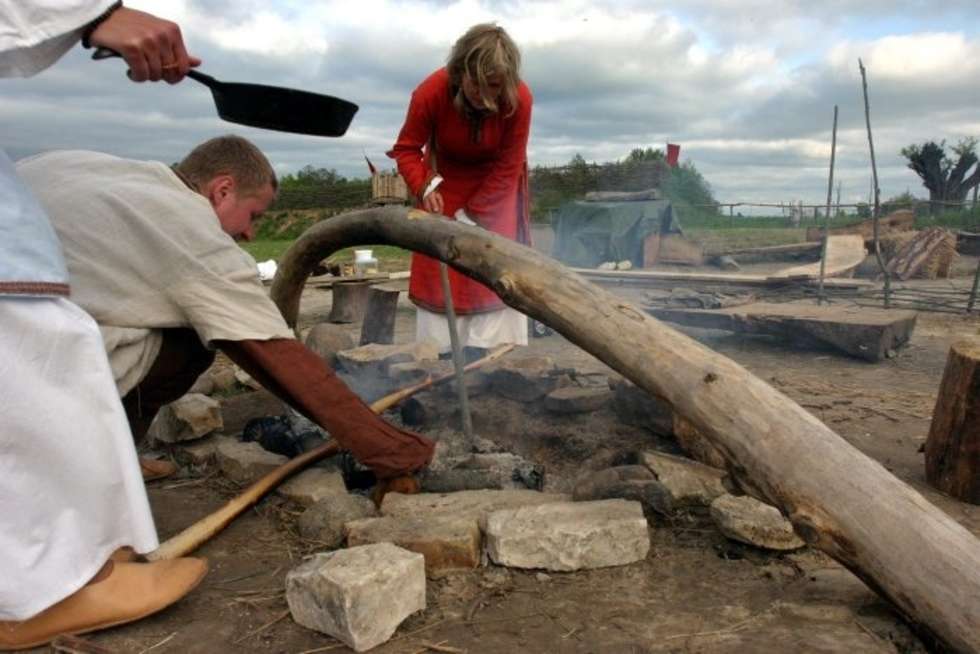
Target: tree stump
(349,301)
(953,446)
(379,318)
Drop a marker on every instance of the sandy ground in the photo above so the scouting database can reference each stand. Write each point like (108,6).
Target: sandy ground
(695,592)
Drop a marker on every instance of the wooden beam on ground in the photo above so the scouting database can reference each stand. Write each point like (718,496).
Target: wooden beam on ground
(656,277)
(845,252)
(838,499)
(868,334)
(953,445)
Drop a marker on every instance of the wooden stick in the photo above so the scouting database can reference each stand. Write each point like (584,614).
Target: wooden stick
(877,191)
(826,218)
(203,530)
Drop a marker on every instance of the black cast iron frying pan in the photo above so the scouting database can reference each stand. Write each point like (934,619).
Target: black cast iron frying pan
(272,107)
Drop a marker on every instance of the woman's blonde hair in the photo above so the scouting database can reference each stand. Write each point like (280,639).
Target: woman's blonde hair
(486,50)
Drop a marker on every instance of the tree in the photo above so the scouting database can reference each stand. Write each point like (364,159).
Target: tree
(945,178)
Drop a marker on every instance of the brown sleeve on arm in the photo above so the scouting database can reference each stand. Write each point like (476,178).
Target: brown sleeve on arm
(302,379)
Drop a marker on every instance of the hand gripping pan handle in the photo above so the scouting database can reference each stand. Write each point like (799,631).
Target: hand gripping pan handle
(272,107)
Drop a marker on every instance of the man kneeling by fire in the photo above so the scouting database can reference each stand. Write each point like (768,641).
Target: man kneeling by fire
(152,257)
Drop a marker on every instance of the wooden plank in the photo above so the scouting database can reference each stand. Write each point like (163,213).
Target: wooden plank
(844,253)
(859,332)
(694,278)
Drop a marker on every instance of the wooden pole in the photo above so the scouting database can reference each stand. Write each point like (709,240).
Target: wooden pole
(838,499)
(379,316)
(953,445)
(826,218)
(877,191)
(973,291)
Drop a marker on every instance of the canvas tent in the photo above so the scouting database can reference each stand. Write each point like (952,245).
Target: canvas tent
(590,233)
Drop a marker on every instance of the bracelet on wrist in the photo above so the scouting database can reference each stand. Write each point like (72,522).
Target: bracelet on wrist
(94,25)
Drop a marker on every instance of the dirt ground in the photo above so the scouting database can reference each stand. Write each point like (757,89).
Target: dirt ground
(695,592)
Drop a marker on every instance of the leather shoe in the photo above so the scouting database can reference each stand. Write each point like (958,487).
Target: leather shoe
(154,469)
(129,592)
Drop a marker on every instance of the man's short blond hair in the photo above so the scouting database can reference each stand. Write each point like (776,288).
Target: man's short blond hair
(229,155)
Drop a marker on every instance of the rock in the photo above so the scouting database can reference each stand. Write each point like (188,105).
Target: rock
(496,470)
(690,484)
(312,485)
(726,262)
(426,409)
(634,406)
(222,379)
(576,399)
(243,463)
(189,417)
(237,410)
(748,520)
(447,542)
(246,380)
(697,446)
(324,521)
(568,536)
(200,452)
(327,339)
(203,386)
(375,359)
(359,595)
(470,503)
(413,372)
(525,379)
(630,482)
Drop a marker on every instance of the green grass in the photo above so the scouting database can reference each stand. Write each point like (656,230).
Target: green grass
(263,250)
(735,238)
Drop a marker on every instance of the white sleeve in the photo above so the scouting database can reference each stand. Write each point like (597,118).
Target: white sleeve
(35,34)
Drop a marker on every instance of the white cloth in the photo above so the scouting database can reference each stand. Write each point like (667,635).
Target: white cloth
(488,329)
(33,35)
(71,491)
(146,252)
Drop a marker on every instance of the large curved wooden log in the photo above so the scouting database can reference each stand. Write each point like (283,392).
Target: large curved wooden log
(838,499)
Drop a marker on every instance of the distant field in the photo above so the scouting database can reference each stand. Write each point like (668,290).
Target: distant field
(723,239)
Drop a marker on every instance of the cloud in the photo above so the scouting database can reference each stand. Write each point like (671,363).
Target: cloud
(746,88)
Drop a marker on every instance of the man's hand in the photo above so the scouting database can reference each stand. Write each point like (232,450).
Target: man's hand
(433,202)
(153,47)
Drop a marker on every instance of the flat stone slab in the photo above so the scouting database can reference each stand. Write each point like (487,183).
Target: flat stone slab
(750,521)
(631,482)
(312,485)
(568,536)
(862,332)
(326,520)
(245,462)
(376,358)
(525,379)
(496,470)
(691,484)
(577,399)
(448,543)
(199,452)
(469,503)
(359,595)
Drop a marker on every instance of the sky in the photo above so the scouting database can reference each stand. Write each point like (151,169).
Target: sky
(746,87)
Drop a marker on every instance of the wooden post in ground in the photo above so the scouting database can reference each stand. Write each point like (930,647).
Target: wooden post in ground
(826,218)
(953,446)
(349,301)
(379,317)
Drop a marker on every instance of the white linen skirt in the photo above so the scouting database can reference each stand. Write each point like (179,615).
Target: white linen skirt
(487,330)
(71,491)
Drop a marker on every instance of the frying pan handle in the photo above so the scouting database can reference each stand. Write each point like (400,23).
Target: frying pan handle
(108,53)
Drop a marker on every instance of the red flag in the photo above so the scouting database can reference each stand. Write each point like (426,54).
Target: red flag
(374,171)
(673,153)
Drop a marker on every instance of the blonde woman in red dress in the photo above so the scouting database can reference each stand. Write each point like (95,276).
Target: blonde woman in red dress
(463,153)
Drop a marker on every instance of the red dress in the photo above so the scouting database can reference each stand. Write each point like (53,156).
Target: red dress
(486,177)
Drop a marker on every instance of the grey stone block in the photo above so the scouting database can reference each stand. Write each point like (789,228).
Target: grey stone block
(359,595)
(568,536)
